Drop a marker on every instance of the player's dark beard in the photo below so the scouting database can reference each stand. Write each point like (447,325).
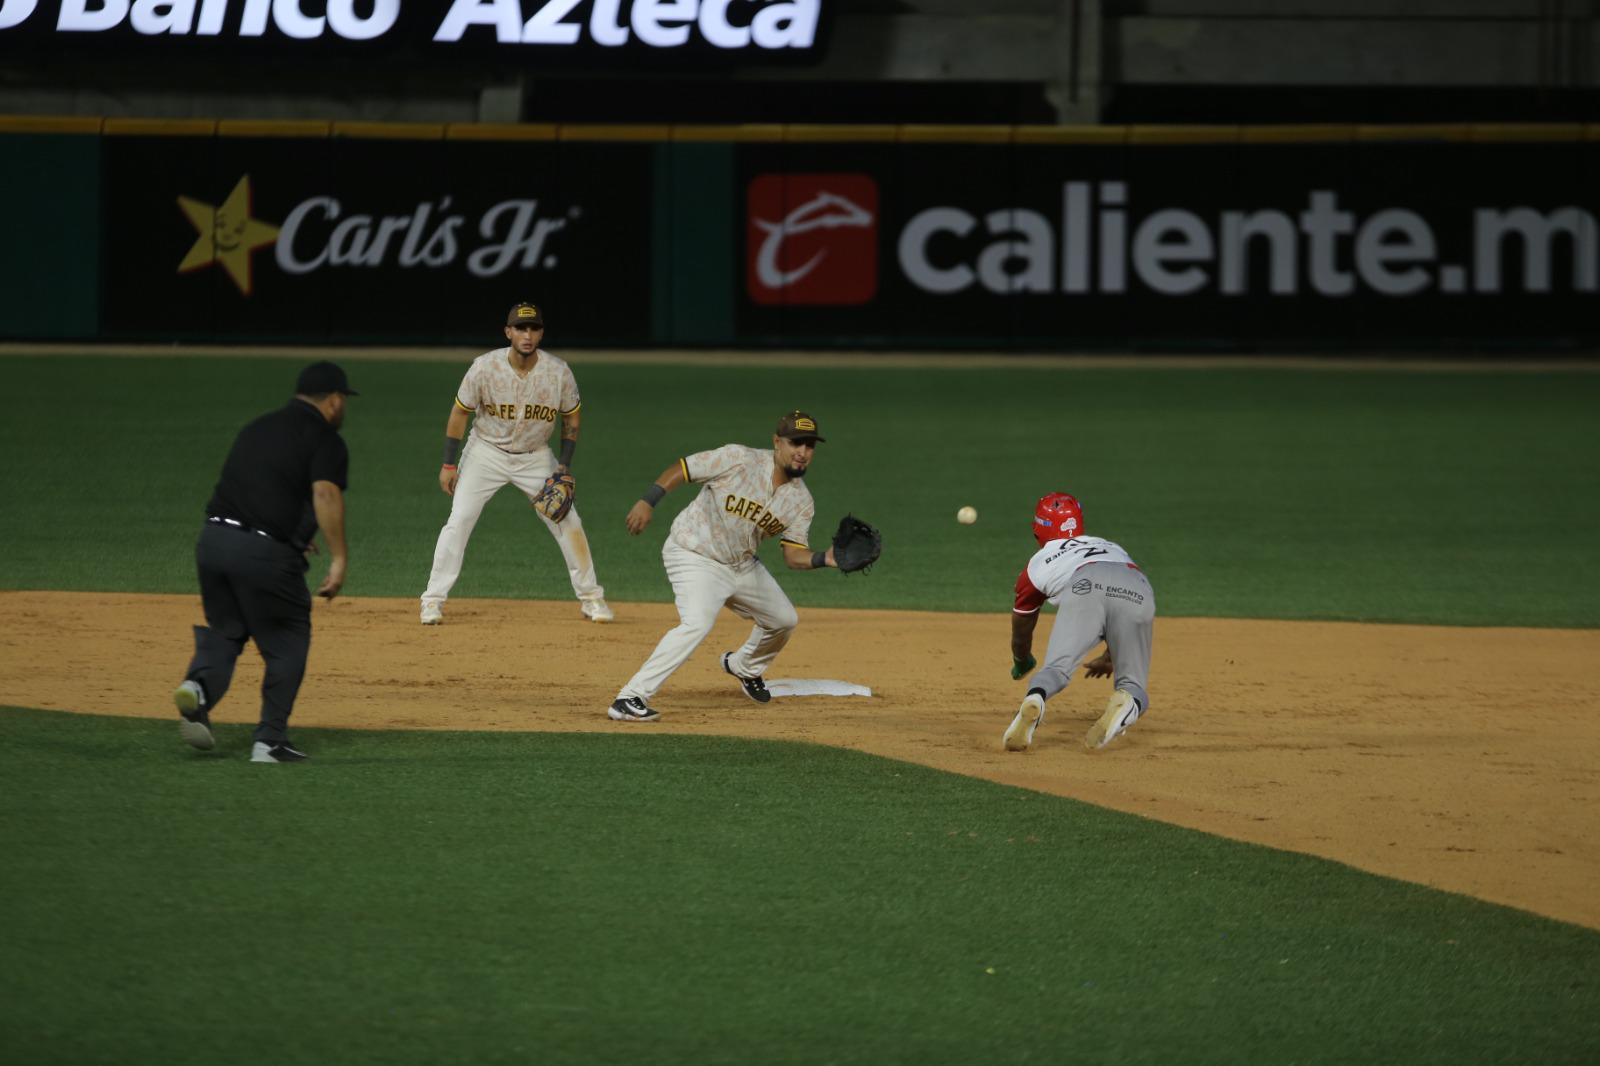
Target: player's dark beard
(794,471)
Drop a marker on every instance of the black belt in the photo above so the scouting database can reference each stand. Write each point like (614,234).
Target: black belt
(234,523)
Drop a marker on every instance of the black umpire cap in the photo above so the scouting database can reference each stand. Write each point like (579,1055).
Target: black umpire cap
(324,377)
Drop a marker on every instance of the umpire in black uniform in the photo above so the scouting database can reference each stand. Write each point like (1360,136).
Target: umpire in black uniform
(284,477)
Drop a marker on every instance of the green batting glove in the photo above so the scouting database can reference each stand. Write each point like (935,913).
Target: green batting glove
(1022,666)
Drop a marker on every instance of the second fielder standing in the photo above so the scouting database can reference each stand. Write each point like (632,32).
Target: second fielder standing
(710,555)
(513,396)
(1101,595)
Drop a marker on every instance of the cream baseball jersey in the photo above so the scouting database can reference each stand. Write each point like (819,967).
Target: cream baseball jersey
(1049,574)
(738,507)
(516,413)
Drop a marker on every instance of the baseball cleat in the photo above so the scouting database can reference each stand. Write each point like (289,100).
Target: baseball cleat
(754,687)
(282,751)
(1122,710)
(631,709)
(194,724)
(432,614)
(1019,734)
(597,611)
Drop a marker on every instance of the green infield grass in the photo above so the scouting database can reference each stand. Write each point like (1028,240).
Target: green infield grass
(548,898)
(1466,497)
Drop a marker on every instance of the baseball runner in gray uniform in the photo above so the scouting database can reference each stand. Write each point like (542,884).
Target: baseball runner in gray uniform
(1101,594)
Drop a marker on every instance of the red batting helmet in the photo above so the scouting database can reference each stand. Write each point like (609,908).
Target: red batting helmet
(1056,516)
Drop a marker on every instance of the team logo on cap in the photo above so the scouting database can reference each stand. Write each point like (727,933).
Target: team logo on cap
(527,312)
(804,423)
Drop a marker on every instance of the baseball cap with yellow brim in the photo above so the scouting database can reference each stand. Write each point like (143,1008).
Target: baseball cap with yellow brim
(525,314)
(797,425)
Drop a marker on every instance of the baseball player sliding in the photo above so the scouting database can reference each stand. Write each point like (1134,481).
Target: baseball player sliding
(749,494)
(1101,595)
(513,396)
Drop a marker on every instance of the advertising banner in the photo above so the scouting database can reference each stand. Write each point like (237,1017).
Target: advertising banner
(1321,244)
(437,32)
(349,239)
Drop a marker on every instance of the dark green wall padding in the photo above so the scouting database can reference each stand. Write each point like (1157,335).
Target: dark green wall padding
(50,218)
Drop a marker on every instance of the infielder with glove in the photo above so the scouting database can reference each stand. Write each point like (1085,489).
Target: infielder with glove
(513,396)
(1101,595)
(748,495)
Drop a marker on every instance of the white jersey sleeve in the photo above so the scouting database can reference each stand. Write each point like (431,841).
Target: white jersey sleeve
(570,400)
(467,394)
(718,462)
(799,530)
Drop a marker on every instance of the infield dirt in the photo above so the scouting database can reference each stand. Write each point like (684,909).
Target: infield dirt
(1463,759)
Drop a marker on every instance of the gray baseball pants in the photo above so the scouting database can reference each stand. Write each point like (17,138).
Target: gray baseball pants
(1116,605)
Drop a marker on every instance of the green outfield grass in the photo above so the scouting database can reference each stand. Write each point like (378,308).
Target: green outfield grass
(534,899)
(1462,498)
(526,898)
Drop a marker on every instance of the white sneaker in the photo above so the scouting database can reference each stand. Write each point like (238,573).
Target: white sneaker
(631,709)
(1019,734)
(597,611)
(1122,710)
(432,614)
(282,751)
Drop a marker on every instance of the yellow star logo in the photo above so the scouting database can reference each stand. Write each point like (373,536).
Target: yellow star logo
(227,234)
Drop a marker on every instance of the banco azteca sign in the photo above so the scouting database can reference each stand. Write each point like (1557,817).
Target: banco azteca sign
(743,27)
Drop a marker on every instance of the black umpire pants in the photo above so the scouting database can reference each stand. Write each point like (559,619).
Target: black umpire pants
(252,587)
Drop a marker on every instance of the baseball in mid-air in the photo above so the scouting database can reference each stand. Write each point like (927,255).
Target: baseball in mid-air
(967,515)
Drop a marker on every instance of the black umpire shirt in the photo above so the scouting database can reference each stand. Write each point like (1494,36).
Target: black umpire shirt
(266,479)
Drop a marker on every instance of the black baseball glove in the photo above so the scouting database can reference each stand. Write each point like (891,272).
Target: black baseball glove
(856,544)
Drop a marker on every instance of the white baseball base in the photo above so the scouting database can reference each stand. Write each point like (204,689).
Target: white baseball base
(795,686)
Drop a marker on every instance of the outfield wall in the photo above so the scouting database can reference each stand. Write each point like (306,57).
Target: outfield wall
(1021,238)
